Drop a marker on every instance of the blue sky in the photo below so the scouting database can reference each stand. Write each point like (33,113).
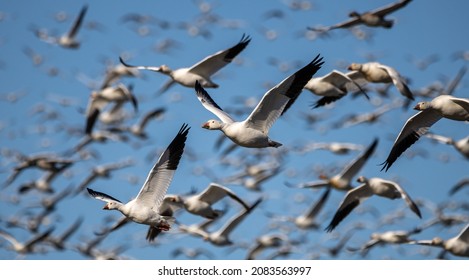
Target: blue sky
(422,29)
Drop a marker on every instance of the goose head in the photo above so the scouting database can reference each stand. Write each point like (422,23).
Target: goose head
(212,125)
(422,106)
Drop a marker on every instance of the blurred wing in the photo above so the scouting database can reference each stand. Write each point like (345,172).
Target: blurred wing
(412,205)
(398,81)
(156,185)
(351,200)
(415,127)
(353,168)
(78,22)
(464,235)
(390,8)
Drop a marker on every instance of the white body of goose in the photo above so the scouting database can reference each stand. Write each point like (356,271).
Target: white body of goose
(442,106)
(144,209)
(201,71)
(253,132)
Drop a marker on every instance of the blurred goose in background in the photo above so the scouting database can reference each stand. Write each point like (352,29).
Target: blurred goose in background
(201,204)
(138,128)
(332,87)
(144,209)
(461,145)
(201,71)
(374,18)
(342,181)
(27,247)
(263,242)
(58,242)
(102,171)
(253,131)
(442,106)
(100,99)
(67,40)
(374,72)
(458,245)
(192,253)
(221,236)
(370,187)
(334,147)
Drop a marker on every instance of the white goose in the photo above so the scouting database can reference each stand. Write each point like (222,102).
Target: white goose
(201,204)
(253,131)
(458,245)
(145,208)
(67,40)
(201,71)
(442,106)
(374,72)
(332,87)
(461,145)
(342,181)
(370,187)
(100,99)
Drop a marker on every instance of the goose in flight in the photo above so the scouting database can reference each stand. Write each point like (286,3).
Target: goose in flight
(374,18)
(442,106)
(370,187)
(202,71)
(99,99)
(458,245)
(67,40)
(253,131)
(375,72)
(201,204)
(145,208)
(342,180)
(461,145)
(332,87)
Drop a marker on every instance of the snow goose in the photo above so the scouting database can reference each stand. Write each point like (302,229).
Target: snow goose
(458,245)
(221,236)
(375,72)
(138,128)
(461,145)
(59,242)
(265,241)
(26,247)
(67,40)
(201,204)
(102,171)
(99,99)
(253,131)
(442,106)
(388,237)
(309,218)
(374,18)
(342,180)
(144,209)
(369,187)
(201,71)
(332,87)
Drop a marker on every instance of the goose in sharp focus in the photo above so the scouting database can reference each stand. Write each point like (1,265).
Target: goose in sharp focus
(458,245)
(201,204)
(253,131)
(144,209)
(201,71)
(332,87)
(370,187)
(342,181)
(442,106)
(374,18)
(375,72)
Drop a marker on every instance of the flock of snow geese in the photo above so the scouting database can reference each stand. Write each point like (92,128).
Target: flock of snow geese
(157,207)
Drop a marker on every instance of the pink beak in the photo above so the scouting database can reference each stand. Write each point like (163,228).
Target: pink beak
(205,125)
(106,207)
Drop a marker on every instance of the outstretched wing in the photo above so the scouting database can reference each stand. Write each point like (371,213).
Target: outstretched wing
(210,104)
(213,63)
(156,185)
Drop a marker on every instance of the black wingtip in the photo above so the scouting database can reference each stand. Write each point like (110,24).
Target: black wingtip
(91,120)
(124,63)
